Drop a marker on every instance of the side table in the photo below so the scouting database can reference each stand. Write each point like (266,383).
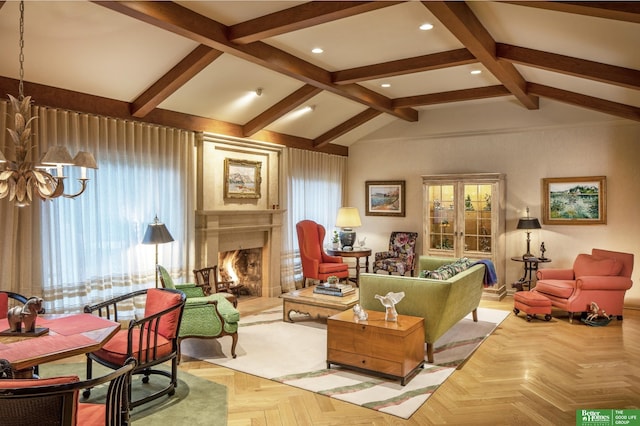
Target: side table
(530,267)
(357,253)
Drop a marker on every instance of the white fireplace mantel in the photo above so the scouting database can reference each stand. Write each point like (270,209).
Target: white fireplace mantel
(225,230)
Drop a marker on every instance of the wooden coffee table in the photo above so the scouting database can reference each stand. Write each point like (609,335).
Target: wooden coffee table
(390,349)
(305,301)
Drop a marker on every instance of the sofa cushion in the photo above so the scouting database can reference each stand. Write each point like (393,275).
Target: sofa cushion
(589,265)
(447,271)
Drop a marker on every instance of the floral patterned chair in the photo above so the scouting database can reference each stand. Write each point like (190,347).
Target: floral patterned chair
(401,255)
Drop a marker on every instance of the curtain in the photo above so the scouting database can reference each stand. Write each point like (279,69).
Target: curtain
(91,245)
(314,187)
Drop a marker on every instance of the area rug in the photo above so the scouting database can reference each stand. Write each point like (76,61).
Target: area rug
(295,354)
(196,402)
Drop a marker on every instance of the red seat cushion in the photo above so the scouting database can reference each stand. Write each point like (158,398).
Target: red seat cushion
(559,288)
(115,351)
(327,268)
(91,414)
(26,383)
(157,301)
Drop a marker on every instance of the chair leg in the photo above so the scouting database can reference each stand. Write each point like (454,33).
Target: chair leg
(234,336)
(430,353)
(87,392)
(475,315)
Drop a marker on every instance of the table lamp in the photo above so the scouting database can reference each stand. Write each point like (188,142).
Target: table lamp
(348,218)
(528,223)
(156,234)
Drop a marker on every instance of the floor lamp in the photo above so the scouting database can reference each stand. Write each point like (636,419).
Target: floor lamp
(156,234)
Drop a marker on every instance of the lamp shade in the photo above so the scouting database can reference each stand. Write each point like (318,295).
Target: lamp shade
(528,223)
(157,233)
(58,154)
(348,217)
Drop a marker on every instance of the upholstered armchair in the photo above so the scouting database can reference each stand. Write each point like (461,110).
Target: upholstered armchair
(192,290)
(206,317)
(316,263)
(400,257)
(602,277)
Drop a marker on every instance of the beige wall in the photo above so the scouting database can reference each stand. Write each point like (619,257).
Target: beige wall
(610,147)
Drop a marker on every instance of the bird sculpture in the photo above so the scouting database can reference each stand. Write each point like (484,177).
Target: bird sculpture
(389,301)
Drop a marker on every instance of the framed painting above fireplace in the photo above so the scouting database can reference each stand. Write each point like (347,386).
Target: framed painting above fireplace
(242,178)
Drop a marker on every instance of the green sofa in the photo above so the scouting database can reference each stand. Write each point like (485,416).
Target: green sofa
(441,303)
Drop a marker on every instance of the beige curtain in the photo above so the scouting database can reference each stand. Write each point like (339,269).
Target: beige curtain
(314,184)
(78,251)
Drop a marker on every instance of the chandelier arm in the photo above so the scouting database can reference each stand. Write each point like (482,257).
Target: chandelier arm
(83,182)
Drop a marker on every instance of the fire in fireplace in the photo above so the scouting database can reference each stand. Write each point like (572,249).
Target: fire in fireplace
(242,267)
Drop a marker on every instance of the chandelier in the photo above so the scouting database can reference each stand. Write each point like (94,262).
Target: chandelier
(22,180)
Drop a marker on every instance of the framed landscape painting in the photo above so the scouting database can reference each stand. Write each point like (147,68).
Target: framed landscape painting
(574,201)
(385,198)
(242,178)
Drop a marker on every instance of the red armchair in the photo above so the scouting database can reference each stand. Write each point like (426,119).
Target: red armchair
(316,264)
(602,277)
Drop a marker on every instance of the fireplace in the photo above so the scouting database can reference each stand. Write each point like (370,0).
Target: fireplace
(252,236)
(242,267)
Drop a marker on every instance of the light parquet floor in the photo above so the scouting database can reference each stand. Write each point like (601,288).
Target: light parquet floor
(526,373)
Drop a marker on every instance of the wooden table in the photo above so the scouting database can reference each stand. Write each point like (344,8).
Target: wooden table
(69,335)
(530,267)
(305,301)
(356,253)
(390,349)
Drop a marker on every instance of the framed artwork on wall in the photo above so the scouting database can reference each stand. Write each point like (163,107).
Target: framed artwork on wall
(242,178)
(574,200)
(385,198)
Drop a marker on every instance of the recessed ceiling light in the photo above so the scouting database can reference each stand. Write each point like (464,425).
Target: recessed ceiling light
(258,91)
(426,27)
(317,50)
(476,72)
(385,85)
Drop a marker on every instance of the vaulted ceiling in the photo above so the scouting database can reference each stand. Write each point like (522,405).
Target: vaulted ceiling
(194,64)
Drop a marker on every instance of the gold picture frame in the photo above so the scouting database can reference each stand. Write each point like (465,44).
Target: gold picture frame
(574,200)
(385,198)
(242,178)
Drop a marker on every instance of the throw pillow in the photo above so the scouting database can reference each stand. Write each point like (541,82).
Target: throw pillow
(586,264)
(447,271)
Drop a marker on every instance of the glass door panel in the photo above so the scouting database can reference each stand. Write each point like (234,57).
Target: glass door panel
(441,217)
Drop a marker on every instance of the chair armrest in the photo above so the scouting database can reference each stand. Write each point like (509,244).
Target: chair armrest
(330,259)
(384,255)
(109,308)
(613,283)
(554,274)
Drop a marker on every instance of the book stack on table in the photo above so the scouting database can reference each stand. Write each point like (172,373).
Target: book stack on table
(334,289)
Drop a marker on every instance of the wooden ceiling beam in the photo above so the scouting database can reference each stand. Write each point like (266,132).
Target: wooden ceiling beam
(180,20)
(184,71)
(628,112)
(413,65)
(347,126)
(452,96)
(628,11)
(610,74)
(278,110)
(75,101)
(465,26)
(299,17)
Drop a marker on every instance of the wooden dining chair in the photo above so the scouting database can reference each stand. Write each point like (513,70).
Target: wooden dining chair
(55,400)
(151,341)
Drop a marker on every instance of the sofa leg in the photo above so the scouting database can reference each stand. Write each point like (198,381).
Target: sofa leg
(430,353)
(570,317)
(475,315)
(619,317)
